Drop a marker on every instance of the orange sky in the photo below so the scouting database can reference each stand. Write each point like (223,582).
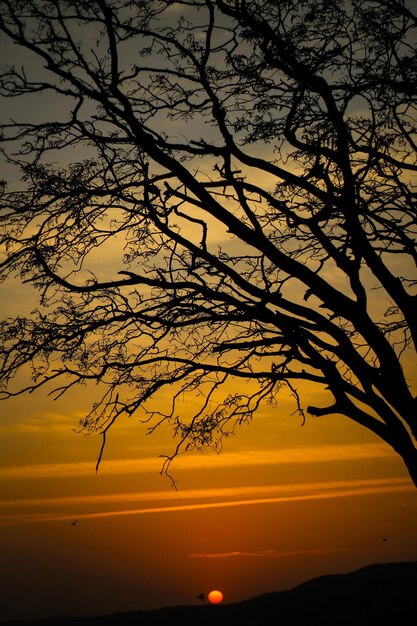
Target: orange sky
(282,503)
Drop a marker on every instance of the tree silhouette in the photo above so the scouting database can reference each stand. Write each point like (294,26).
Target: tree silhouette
(249,166)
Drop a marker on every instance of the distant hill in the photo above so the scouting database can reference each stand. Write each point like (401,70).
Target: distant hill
(376,595)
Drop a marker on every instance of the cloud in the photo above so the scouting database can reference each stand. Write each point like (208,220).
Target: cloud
(45,422)
(218,493)
(80,468)
(168,501)
(308,454)
(266,553)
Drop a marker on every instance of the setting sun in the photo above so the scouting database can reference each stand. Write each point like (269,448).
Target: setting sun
(208,329)
(215,597)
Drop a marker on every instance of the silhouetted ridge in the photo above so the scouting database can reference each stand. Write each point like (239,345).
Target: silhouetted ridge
(376,595)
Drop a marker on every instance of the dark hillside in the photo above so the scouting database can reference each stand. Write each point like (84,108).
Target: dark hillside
(376,595)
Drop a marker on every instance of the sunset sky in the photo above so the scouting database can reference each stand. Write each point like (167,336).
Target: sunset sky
(281,504)
(284,502)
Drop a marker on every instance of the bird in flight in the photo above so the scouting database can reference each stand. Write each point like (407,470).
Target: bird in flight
(74,523)
(202,597)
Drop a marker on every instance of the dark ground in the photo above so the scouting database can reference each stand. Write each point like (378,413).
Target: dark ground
(376,595)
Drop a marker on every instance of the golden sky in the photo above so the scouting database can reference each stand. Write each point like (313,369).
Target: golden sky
(283,503)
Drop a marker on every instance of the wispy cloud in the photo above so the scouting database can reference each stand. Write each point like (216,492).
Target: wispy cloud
(219,493)
(266,553)
(80,468)
(319,454)
(45,422)
(169,502)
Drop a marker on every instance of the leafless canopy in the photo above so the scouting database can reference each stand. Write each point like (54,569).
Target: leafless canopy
(216,197)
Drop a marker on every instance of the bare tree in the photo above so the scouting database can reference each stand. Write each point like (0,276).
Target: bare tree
(251,165)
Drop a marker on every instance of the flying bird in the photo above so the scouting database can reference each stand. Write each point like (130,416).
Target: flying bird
(203,597)
(74,523)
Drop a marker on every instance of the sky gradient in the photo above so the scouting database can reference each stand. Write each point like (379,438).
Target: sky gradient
(283,503)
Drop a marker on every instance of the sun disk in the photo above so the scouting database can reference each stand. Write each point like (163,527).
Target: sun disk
(215,596)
